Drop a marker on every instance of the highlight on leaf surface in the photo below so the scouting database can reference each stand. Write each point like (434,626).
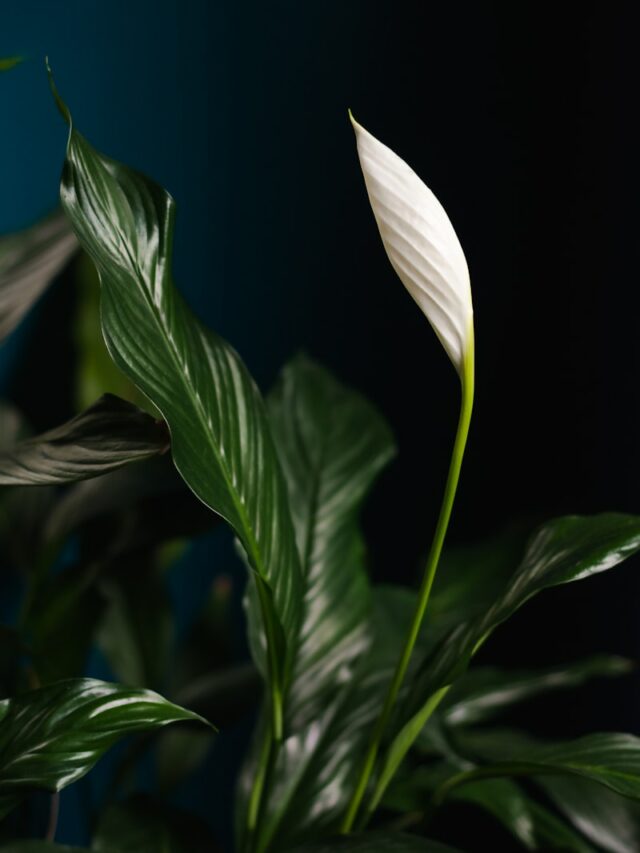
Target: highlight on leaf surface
(421,244)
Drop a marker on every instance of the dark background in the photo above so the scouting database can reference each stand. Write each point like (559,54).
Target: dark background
(521,120)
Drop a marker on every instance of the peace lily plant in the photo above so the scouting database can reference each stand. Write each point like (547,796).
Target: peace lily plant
(369,720)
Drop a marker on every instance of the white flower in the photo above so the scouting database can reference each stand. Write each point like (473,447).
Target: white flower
(421,244)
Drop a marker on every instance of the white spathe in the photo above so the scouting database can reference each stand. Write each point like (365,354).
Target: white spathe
(421,244)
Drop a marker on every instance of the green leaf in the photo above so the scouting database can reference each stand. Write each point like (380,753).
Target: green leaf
(607,819)
(221,442)
(564,550)
(332,444)
(8,62)
(108,435)
(30,260)
(534,826)
(377,842)
(52,736)
(140,825)
(481,694)
(610,759)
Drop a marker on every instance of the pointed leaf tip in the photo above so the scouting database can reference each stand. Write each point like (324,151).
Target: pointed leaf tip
(62,107)
(421,244)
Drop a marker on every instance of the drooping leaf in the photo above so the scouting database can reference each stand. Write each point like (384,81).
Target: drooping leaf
(108,435)
(607,819)
(481,694)
(221,442)
(421,244)
(29,262)
(564,550)
(52,736)
(140,825)
(377,842)
(610,759)
(332,444)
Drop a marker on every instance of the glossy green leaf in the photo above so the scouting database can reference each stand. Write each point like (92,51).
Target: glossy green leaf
(108,435)
(607,819)
(481,694)
(377,842)
(140,825)
(534,826)
(30,260)
(564,550)
(221,442)
(332,443)
(612,760)
(52,736)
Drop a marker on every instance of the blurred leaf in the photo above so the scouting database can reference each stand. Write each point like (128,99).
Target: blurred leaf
(612,760)
(8,62)
(607,819)
(52,736)
(481,694)
(221,442)
(141,825)
(136,629)
(377,842)
(109,434)
(29,262)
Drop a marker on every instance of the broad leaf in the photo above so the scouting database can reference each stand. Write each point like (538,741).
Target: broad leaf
(108,435)
(52,736)
(481,694)
(332,444)
(377,842)
(221,442)
(607,819)
(29,261)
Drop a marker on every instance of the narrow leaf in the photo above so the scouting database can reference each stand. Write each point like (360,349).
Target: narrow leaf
(421,244)
(8,62)
(108,435)
(221,442)
(52,736)
(30,260)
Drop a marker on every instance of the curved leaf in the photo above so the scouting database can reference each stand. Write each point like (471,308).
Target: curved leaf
(52,736)
(29,262)
(564,550)
(609,820)
(482,693)
(421,244)
(108,435)
(332,444)
(221,442)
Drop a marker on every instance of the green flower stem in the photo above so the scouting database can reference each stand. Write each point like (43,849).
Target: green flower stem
(255,801)
(466,407)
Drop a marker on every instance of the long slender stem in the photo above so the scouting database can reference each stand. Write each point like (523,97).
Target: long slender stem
(457,455)
(255,800)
